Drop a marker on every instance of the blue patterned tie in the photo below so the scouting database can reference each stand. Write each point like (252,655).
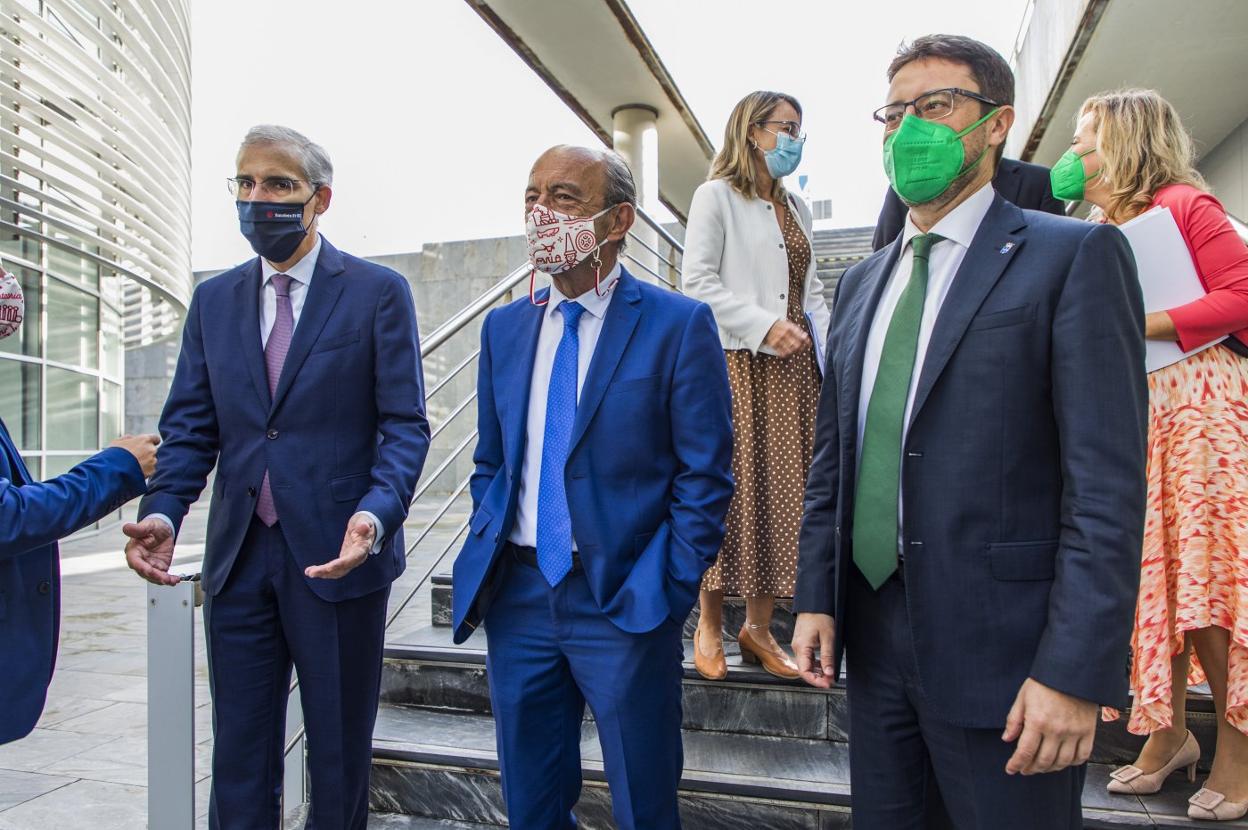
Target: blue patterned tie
(554,524)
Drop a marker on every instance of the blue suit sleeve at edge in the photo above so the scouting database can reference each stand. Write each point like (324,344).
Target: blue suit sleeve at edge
(35,515)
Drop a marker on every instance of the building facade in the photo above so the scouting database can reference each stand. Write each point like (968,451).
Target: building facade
(94,209)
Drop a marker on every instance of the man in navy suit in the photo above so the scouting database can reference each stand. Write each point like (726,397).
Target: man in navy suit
(300,378)
(33,516)
(603,476)
(975,507)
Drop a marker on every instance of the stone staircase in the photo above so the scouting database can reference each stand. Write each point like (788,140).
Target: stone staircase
(759,752)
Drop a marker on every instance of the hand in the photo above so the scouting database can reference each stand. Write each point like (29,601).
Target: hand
(1158,325)
(149,553)
(812,645)
(1057,730)
(786,338)
(357,543)
(143,448)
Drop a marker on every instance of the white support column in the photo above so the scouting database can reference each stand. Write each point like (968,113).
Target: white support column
(636,138)
(171,705)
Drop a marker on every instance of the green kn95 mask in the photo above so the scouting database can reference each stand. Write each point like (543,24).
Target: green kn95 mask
(1068,179)
(923,158)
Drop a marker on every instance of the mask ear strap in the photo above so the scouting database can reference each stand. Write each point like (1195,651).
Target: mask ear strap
(532,284)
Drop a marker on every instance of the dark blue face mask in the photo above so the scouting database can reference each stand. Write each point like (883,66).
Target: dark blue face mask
(274,229)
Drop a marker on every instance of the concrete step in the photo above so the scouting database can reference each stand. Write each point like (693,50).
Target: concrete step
(443,765)
(425,669)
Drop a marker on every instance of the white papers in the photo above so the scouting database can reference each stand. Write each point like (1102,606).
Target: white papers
(1168,276)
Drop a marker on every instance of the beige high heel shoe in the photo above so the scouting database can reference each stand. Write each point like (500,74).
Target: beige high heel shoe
(1209,805)
(1131,780)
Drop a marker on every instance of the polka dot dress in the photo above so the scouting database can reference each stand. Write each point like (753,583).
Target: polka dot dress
(773,417)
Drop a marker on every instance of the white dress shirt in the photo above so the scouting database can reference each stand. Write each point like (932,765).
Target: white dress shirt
(300,279)
(524,533)
(957,229)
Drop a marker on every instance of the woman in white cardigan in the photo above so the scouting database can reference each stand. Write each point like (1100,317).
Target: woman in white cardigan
(748,256)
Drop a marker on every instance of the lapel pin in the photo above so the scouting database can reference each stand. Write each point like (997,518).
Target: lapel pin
(1005,249)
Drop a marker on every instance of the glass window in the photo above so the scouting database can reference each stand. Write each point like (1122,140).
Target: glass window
(19,405)
(73,407)
(110,342)
(110,411)
(73,326)
(72,266)
(26,341)
(34,463)
(61,464)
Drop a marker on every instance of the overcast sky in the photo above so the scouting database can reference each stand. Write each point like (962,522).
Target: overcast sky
(432,122)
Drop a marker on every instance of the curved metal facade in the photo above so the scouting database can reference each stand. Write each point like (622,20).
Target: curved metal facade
(94,208)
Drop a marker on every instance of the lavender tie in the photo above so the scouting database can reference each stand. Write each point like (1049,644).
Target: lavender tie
(274,357)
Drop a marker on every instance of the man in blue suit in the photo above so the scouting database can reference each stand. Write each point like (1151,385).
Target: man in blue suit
(975,508)
(603,476)
(300,378)
(33,516)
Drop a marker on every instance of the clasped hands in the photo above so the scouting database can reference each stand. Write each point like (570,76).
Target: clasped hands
(1054,730)
(149,553)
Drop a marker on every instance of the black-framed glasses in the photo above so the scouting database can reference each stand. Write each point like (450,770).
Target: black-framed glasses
(930,106)
(792,128)
(279,187)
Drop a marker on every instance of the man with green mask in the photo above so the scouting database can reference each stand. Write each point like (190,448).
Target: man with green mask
(975,507)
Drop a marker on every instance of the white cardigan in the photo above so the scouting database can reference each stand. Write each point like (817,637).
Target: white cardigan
(735,262)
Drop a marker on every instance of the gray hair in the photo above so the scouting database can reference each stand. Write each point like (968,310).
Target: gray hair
(621,188)
(312,158)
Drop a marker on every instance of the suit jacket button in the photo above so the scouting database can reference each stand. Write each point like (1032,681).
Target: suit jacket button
(251,491)
(45,587)
(271,435)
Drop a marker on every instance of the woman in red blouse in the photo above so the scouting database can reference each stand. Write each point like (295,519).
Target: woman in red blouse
(1194,578)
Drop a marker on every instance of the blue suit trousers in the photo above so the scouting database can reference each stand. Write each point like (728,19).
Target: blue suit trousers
(264,620)
(551,651)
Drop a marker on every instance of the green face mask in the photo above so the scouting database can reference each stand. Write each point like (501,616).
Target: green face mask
(923,158)
(1068,179)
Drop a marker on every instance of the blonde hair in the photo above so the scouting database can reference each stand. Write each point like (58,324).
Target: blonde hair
(735,161)
(1143,147)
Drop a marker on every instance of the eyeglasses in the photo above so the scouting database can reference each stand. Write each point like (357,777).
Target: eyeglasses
(930,106)
(278,186)
(791,128)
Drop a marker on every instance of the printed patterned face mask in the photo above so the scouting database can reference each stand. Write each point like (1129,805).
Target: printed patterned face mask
(558,242)
(12,304)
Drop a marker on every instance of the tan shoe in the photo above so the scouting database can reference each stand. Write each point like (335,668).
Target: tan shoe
(776,663)
(1131,780)
(712,668)
(1208,805)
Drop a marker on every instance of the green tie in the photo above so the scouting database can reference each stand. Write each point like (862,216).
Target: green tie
(879,472)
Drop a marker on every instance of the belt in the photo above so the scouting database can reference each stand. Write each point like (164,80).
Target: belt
(528,556)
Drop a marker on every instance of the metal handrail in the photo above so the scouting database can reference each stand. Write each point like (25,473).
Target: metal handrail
(443,381)
(474,309)
(660,230)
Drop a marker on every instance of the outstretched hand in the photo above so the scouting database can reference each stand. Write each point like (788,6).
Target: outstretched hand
(357,543)
(149,553)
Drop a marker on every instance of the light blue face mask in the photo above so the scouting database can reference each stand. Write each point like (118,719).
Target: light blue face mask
(787,154)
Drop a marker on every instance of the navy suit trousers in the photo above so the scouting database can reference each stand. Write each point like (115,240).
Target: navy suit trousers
(264,620)
(551,651)
(911,770)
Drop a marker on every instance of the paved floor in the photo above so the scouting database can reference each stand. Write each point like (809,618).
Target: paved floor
(85,764)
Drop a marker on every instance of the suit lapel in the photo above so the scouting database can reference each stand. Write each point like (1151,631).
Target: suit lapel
(247,299)
(617,329)
(859,327)
(517,380)
(323,294)
(994,245)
